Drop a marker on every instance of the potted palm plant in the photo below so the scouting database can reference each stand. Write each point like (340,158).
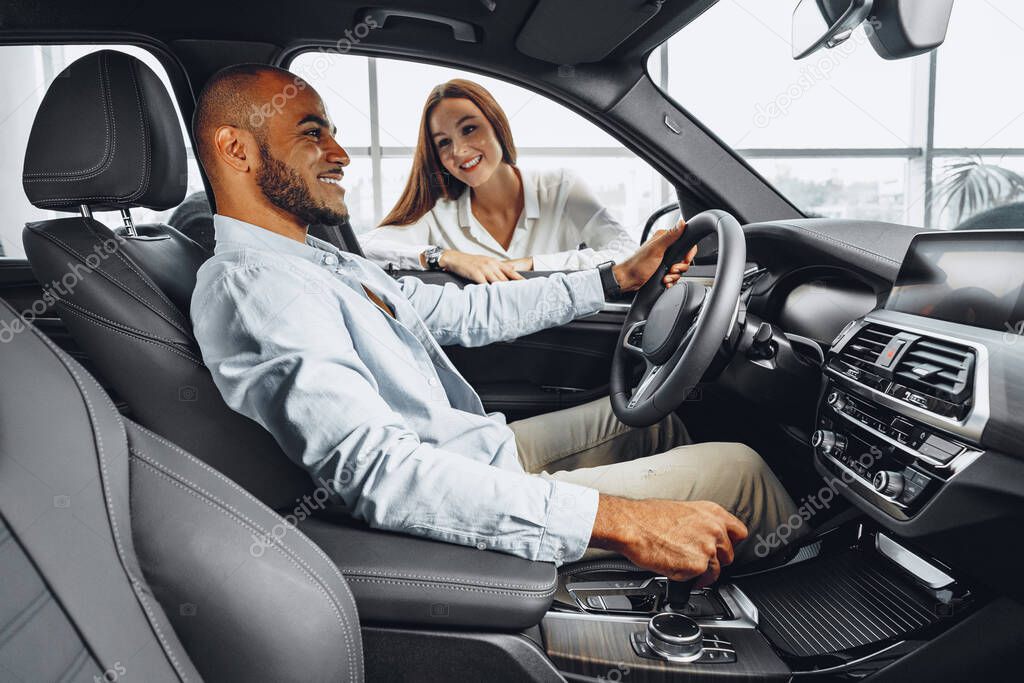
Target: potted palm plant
(969,186)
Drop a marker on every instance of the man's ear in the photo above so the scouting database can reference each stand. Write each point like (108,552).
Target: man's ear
(235,147)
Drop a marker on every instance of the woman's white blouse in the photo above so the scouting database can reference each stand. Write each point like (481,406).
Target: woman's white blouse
(563,226)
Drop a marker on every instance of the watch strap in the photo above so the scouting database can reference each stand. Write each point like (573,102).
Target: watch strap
(610,285)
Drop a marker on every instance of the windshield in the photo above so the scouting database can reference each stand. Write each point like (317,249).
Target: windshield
(936,140)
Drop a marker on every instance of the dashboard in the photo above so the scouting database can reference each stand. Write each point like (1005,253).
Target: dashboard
(918,423)
(915,405)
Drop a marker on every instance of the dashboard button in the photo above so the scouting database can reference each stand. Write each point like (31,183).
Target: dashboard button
(935,453)
(902,425)
(911,490)
(943,445)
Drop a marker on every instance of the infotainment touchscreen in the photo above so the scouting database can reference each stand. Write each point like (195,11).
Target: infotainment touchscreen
(970,277)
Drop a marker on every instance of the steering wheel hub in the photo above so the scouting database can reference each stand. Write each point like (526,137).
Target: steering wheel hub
(671,319)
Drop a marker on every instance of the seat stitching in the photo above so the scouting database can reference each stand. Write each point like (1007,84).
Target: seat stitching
(137,338)
(110,277)
(370,571)
(108,151)
(194,490)
(452,587)
(232,484)
(142,276)
(177,475)
(114,323)
(133,581)
(317,550)
(829,238)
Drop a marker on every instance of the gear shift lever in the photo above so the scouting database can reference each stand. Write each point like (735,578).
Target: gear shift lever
(677,595)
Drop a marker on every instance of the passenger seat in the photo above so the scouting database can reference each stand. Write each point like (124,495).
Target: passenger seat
(124,558)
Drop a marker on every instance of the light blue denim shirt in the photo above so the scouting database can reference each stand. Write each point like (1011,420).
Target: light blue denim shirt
(371,404)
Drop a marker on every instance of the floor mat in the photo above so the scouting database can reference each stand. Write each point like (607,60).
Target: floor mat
(836,603)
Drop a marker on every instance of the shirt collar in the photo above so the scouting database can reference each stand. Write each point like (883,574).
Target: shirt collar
(232,231)
(531,200)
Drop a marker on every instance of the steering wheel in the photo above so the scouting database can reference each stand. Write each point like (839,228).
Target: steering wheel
(676,331)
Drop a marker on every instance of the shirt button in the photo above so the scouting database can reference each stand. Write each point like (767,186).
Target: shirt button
(481,545)
(330,260)
(432,382)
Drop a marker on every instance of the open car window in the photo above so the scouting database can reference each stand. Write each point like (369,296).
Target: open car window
(376,104)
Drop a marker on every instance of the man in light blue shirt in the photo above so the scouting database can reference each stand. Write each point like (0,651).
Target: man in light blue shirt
(343,364)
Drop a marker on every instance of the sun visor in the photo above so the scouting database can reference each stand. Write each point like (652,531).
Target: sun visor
(570,32)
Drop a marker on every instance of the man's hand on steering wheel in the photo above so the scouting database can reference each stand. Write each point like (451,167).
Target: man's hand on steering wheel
(632,273)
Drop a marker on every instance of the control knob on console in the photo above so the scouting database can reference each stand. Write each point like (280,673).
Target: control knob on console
(675,637)
(836,400)
(828,442)
(888,483)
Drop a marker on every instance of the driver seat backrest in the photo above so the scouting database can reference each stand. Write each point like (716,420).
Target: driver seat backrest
(107,137)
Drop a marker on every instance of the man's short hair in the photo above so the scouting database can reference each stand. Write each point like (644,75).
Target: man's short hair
(229,99)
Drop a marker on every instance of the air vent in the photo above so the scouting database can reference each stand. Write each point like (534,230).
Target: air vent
(939,369)
(858,359)
(867,344)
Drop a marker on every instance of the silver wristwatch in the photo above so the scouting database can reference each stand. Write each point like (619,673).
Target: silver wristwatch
(432,256)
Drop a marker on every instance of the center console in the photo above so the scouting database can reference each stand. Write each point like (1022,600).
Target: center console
(846,602)
(896,418)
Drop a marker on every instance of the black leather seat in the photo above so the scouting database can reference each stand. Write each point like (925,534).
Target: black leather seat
(126,305)
(125,558)
(107,137)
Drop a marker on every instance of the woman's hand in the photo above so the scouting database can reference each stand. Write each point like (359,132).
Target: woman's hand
(480,269)
(521,264)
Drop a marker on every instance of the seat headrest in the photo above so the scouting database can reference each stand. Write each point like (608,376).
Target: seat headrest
(106,135)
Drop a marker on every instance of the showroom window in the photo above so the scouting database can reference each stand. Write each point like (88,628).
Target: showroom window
(376,105)
(28,72)
(933,140)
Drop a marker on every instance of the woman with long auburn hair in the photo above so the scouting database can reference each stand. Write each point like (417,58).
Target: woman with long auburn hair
(469,209)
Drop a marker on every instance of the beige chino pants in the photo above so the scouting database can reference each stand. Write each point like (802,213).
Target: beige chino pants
(589,446)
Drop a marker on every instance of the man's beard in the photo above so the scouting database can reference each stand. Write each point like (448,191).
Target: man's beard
(286,190)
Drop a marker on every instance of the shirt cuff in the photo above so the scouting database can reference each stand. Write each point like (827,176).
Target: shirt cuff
(587,291)
(572,510)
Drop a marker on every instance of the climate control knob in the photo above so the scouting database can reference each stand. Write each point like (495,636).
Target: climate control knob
(824,440)
(889,484)
(836,400)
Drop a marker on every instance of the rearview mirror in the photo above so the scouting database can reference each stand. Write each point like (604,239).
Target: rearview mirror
(820,23)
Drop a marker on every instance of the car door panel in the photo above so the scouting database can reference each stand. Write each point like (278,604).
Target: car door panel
(545,371)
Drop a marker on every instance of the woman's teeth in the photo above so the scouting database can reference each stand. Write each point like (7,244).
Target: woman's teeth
(472,162)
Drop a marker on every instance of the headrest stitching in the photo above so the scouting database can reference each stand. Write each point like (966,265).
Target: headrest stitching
(147,166)
(109,144)
(104,160)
